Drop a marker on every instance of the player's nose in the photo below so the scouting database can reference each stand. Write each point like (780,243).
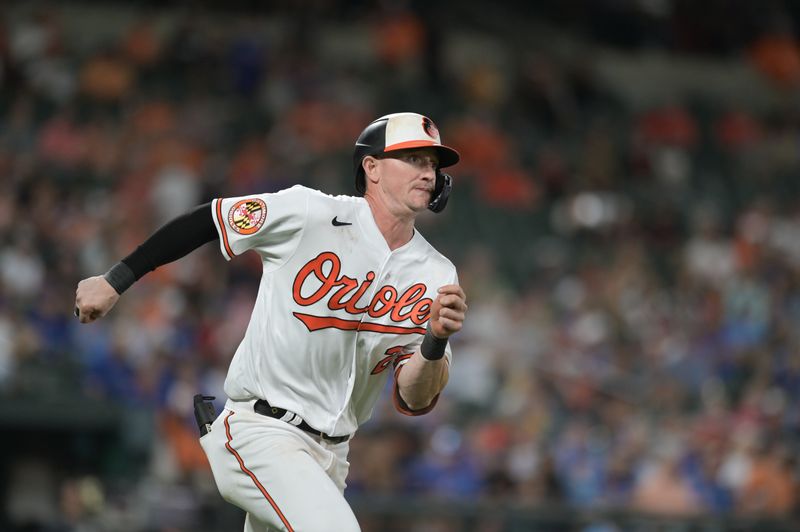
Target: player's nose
(429,171)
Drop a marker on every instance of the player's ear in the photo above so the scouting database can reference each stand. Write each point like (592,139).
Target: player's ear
(370,166)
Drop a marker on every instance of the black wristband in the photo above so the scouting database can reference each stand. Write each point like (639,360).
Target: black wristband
(432,348)
(120,277)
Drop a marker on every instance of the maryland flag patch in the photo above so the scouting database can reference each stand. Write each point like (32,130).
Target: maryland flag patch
(247,216)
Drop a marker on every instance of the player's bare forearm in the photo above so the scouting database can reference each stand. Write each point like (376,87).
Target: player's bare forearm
(422,378)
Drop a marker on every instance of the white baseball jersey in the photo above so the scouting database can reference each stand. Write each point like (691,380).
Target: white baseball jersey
(336,308)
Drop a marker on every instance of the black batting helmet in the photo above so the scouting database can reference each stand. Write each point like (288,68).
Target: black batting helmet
(402,131)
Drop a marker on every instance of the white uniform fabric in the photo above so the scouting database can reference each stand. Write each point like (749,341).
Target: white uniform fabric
(336,310)
(311,346)
(285,479)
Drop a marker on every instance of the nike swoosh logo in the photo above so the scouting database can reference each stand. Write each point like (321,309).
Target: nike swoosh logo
(337,223)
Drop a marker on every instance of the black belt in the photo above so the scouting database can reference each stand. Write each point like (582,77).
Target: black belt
(265,409)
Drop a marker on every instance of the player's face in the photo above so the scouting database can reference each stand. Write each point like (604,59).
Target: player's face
(408,178)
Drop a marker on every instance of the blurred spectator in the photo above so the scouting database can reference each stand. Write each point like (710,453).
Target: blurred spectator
(107,77)
(776,56)
(709,255)
(663,489)
(141,43)
(737,130)
(399,36)
(770,487)
(445,468)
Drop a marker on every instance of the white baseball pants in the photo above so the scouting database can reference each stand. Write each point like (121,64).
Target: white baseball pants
(284,478)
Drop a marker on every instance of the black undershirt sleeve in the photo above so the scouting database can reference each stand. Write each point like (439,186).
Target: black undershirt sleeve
(176,239)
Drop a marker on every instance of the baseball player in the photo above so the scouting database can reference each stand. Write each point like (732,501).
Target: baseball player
(350,291)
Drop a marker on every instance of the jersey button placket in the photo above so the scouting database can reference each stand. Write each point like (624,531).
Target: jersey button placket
(380,281)
(361,344)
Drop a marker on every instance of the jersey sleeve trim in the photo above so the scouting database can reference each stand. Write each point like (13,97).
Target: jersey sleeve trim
(224,245)
(401,406)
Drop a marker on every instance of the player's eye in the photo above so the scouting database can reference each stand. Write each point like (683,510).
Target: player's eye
(420,160)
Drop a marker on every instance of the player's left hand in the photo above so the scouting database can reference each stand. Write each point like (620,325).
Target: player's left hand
(448,310)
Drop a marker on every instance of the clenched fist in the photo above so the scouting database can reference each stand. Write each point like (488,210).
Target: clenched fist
(94,298)
(448,310)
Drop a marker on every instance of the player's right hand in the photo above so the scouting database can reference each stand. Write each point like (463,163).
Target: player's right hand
(94,298)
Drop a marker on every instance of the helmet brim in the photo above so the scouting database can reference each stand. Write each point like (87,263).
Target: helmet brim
(447,155)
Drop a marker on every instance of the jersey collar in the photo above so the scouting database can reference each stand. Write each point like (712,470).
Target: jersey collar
(370,228)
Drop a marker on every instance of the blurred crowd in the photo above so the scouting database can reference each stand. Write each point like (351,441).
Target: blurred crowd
(633,275)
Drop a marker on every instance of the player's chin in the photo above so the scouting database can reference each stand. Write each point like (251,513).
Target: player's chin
(421,198)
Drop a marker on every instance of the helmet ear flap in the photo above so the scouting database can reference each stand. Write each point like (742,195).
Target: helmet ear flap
(441,192)
(361,182)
